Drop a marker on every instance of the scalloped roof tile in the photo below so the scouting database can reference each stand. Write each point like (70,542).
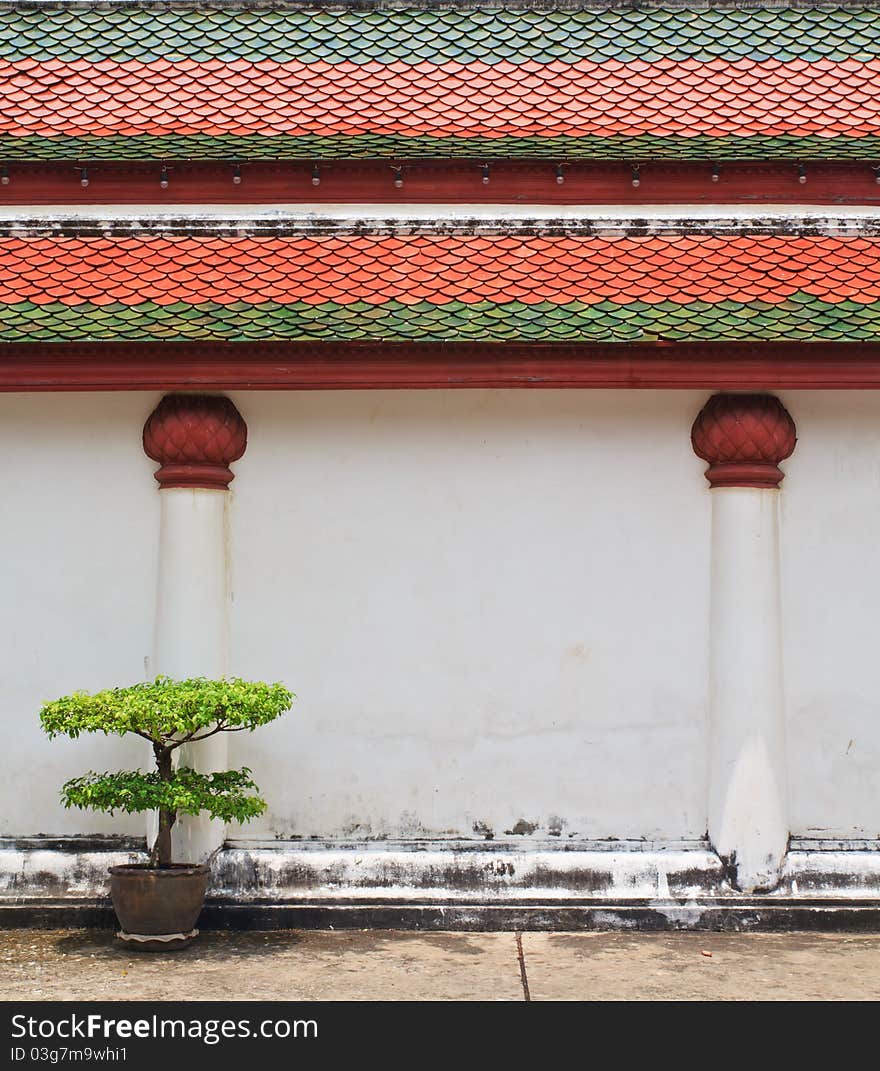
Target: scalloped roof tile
(441,287)
(134,81)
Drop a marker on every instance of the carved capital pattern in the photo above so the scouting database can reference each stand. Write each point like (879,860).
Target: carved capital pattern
(744,437)
(195,438)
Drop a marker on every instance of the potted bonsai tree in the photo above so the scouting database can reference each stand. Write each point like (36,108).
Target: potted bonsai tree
(158,902)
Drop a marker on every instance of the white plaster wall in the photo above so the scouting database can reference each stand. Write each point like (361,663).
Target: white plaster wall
(492,605)
(77,589)
(831,613)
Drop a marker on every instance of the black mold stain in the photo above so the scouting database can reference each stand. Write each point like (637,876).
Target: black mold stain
(555,825)
(77,226)
(74,842)
(586,881)
(730,870)
(521,829)
(481,878)
(709,881)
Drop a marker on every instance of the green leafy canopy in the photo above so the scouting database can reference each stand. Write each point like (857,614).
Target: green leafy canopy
(167,711)
(228,795)
(170,714)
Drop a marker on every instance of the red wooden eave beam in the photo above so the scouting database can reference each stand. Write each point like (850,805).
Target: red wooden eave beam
(827,182)
(419,366)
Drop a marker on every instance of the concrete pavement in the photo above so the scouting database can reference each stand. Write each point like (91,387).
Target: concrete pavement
(387,965)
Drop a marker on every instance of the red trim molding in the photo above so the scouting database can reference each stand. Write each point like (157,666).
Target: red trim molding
(744,437)
(195,437)
(438,181)
(422,366)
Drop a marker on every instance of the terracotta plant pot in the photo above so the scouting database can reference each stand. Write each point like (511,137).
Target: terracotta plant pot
(158,908)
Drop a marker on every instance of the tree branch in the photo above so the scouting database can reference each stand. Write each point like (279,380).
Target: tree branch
(219,729)
(188,738)
(191,738)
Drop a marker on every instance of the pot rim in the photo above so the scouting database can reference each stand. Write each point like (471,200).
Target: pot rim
(175,870)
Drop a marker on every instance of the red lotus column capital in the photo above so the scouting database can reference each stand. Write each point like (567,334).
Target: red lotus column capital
(744,437)
(195,438)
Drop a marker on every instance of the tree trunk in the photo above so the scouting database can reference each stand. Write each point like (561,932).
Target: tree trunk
(160,854)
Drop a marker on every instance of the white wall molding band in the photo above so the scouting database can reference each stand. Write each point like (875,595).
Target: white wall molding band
(711,218)
(463,885)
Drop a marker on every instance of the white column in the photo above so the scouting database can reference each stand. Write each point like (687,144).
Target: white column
(748,810)
(195,437)
(191,637)
(744,437)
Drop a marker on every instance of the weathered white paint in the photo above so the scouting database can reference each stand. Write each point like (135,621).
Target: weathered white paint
(709,215)
(463,872)
(192,628)
(850,874)
(395,871)
(492,605)
(34,873)
(457,872)
(748,811)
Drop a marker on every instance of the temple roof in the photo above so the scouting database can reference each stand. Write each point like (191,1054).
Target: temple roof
(562,283)
(266,80)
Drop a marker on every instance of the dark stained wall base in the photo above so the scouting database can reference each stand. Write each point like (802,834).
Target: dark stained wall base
(754,915)
(611,916)
(521,883)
